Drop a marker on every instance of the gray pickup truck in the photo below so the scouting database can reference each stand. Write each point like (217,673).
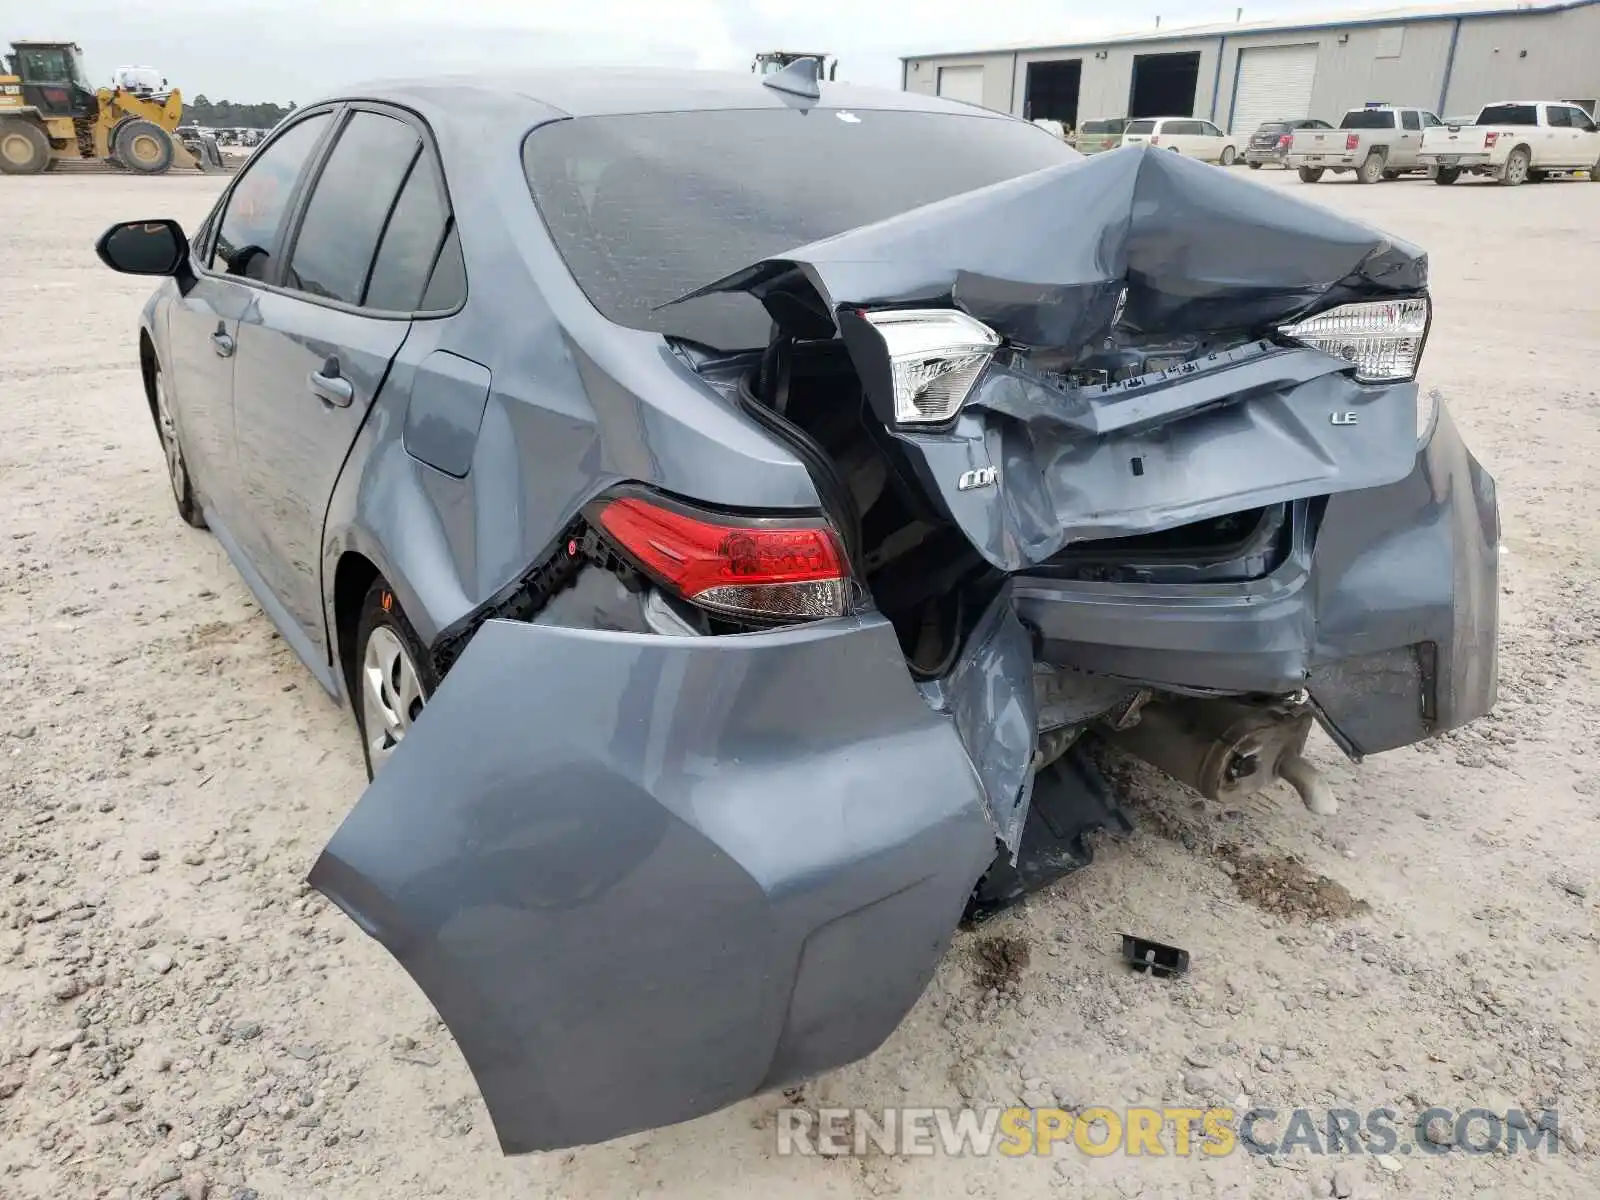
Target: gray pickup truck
(1379,141)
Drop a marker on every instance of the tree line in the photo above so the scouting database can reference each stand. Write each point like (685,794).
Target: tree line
(225,114)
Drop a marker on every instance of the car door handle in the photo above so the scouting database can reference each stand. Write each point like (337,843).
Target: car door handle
(329,386)
(222,343)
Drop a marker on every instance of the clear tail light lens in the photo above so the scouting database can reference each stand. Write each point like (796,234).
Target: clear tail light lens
(1383,339)
(935,356)
(766,568)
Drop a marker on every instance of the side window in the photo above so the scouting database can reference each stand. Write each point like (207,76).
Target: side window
(448,286)
(1558,116)
(1429,121)
(253,218)
(1410,120)
(350,203)
(1582,120)
(411,242)
(1209,129)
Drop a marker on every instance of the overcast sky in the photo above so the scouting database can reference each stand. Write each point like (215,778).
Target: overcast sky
(250,50)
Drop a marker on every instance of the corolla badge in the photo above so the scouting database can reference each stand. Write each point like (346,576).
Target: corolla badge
(982,477)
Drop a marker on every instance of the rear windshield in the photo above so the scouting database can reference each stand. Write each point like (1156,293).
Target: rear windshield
(1368,118)
(1509,114)
(1102,127)
(1275,127)
(1140,127)
(646,207)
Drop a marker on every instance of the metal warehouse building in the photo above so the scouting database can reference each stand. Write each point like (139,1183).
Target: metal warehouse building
(1449,58)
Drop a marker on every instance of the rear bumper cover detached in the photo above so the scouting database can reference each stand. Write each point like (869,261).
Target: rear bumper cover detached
(644,877)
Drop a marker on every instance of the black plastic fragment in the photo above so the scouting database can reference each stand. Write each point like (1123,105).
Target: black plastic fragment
(1154,958)
(1071,799)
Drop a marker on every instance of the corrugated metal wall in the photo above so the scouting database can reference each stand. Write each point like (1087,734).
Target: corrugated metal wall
(1398,63)
(1562,63)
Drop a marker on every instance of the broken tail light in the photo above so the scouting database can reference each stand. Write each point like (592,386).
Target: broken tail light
(1352,141)
(769,568)
(1382,339)
(935,357)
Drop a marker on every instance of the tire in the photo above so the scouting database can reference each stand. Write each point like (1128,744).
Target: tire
(24,149)
(1516,168)
(1445,176)
(172,450)
(1310,174)
(1229,156)
(144,147)
(1371,170)
(1594,173)
(392,676)
(1255,166)
(1391,176)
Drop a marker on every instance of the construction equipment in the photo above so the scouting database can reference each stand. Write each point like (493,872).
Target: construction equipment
(50,114)
(772,61)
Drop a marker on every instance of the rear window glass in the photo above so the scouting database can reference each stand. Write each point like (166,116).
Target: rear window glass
(1509,114)
(1140,127)
(646,207)
(1275,127)
(1102,127)
(1368,118)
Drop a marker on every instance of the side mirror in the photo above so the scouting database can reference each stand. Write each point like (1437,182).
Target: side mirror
(144,248)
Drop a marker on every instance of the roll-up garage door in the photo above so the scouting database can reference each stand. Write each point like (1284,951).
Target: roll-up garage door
(961,83)
(1274,82)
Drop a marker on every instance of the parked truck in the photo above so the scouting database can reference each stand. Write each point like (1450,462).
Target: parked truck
(1376,141)
(1515,141)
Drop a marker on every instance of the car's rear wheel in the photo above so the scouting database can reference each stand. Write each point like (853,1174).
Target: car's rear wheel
(1516,168)
(1371,170)
(1229,154)
(1594,172)
(172,448)
(393,676)
(1310,174)
(1445,176)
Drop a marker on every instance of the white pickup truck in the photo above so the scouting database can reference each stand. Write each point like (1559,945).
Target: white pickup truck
(1377,142)
(1514,142)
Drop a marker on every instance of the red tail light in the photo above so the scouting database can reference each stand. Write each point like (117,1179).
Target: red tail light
(1155,139)
(1489,139)
(1284,140)
(775,569)
(1352,140)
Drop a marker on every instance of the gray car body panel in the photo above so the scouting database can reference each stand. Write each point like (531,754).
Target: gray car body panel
(641,877)
(702,875)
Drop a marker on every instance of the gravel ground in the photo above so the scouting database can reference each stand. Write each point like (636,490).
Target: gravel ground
(180,1017)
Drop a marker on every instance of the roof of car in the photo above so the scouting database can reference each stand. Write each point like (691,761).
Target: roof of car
(602,91)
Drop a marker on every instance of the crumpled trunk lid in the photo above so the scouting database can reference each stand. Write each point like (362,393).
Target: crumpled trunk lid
(1136,247)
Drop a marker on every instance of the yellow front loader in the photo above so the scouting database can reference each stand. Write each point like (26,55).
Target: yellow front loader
(49,114)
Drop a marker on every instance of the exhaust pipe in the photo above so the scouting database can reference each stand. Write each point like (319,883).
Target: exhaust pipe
(1226,750)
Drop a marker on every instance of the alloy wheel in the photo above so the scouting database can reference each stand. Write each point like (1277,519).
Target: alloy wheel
(391,694)
(177,474)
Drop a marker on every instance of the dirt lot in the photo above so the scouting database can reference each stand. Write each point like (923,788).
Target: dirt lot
(180,1017)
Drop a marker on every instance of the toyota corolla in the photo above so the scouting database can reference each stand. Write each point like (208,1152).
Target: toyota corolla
(728,505)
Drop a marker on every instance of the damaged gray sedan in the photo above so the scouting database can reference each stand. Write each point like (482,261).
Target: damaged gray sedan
(729,507)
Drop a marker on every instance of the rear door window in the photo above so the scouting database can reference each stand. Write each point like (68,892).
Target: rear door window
(1558,117)
(349,207)
(1140,127)
(1411,119)
(1509,114)
(411,242)
(247,237)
